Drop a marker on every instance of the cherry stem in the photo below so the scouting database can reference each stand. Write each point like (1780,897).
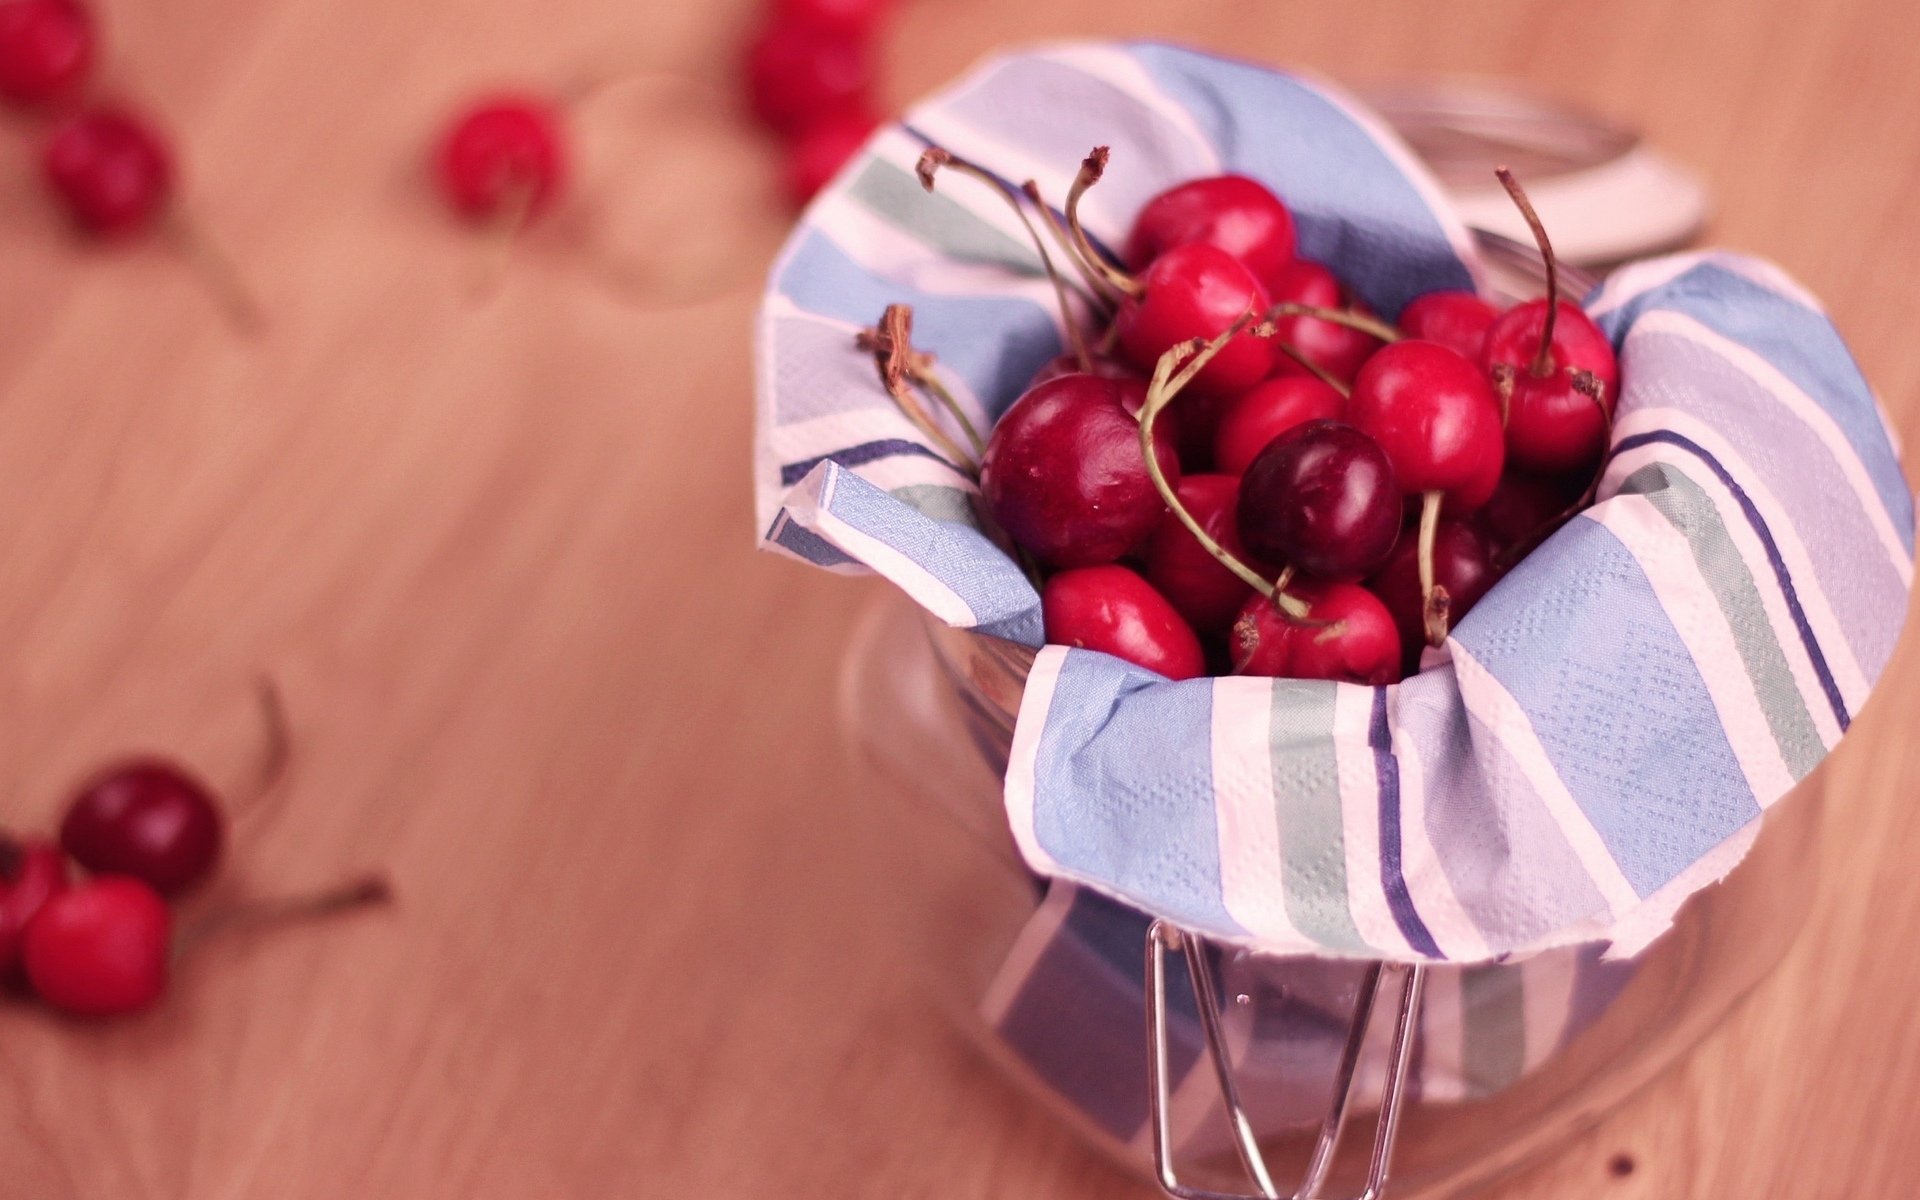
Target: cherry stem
(516,210)
(221,275)
(900,366)
(1371,326)
(1435,602)
(1543,360)
(1502,375)
(1311,367)
(937,157)
(1091,169)
(276,750)
(364,892)
(1169,377)
(1097,290)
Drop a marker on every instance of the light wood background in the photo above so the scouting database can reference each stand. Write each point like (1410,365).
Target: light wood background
(499,556)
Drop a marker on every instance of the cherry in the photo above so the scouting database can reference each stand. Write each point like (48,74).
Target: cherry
(819,151)
(46,49)
(1113,610)
(111,169)
(1558,367)
(1321,498)
(147,818)
(1265,412)
(1436,416)
(1463,563)
(100,948)
(1349,637)
(800,73)
(1336,349)
(31,873)
(1230,212)
(1202,588)
(503,157)
(1064,473)
(846,16)
(1525,509)
(1097,364)
(1197,291)
(1457,320)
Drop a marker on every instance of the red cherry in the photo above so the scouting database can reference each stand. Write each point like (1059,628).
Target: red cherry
(1113,610)
(1064,476)
(799,74)
(111,170)
(1436,416)
(1525,508)
(1197,291)
(1232,212)
(1463,563)
(1552,425)
(100,948)
(1335,349)
(31,873)
(1106,368)
(1321,498)
(46,49)
(503,155)
(1197,584)
(1349,637)
(1457,320)
(149,819)
(846,16)
(818,153)
(1266,412)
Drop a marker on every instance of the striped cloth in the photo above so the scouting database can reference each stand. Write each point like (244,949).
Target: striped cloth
(1600,736)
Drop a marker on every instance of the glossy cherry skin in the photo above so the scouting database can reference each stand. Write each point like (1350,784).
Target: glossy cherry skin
(799,73)
(1457,320)
(1525,508)
(1321,498)
(857,17)
(100,948)
(1266,411)
(1463,563)
(1363,647)
(111,171)
(149,819)
(31,873)
(1196,583)
(46,49)
(1197,291)
(502,153)
(1231,212)
(1113,610)
(1436,416)
(1552,426)
(1335,349)
(818,152)
(1064,476)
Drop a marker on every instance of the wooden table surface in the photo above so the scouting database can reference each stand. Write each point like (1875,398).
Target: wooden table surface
(499,556)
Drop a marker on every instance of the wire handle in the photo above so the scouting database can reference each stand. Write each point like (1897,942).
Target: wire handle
(1164,934)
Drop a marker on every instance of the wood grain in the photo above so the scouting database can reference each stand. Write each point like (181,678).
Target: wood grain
(499,555)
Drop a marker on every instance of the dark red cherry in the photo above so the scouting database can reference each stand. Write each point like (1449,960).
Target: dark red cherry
(1435,415)
(1113,610)
(1463,563)
(46,49)
(111,170)
(1265,412)
(149,819)
(1234,213)
(1197,291)
(1457,320)
(1064,476)
(1552,424)
(1525,508)
(1197,584)
(31,873)
(1321,498)
(1349,637)
(1097,364)
(1335,349)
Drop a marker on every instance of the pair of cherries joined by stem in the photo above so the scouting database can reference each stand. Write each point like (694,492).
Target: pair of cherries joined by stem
(1318,514)
(146,831)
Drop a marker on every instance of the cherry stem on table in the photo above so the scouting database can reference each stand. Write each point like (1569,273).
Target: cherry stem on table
(1543,360)
(221,275)
(1434,603)
(1091,169)
(276,749)
(937,157)
(364,892)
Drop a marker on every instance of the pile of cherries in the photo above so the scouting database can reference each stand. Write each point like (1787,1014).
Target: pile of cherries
(810,77)
(1240,469)
(146,831)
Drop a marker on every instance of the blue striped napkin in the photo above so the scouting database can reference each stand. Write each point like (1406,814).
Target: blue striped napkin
(1604,730)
